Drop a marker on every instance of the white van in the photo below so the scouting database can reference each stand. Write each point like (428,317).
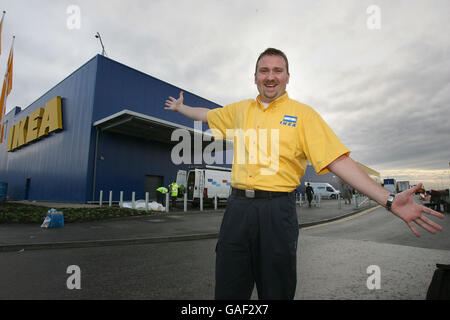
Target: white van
(325,190)
(181,178)
(209,182)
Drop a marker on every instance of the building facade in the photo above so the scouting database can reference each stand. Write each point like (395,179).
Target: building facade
(103,127)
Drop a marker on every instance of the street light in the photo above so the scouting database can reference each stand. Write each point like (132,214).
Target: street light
(97,35)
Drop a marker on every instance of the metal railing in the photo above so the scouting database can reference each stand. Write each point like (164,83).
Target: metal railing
(138,204)
(358,200)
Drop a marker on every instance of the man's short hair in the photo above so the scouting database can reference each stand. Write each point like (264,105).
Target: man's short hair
(273,52)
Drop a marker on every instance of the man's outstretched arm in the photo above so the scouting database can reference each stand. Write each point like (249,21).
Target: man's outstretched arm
(196,114)
(403,205)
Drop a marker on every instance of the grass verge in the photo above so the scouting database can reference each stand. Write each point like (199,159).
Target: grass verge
(23,213)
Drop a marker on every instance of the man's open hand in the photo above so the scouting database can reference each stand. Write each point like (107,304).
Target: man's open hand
(409,211)
(174,104)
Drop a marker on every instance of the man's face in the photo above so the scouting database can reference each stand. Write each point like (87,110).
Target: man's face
(271,77)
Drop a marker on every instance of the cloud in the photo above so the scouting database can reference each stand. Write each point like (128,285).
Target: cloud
(399,112)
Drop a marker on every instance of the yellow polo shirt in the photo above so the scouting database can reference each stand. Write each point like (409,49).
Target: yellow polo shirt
(272,145)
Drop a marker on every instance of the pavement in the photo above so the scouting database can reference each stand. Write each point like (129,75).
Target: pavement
(148,228)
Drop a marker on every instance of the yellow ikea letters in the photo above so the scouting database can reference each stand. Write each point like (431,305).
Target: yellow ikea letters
(37,125)
(34,123)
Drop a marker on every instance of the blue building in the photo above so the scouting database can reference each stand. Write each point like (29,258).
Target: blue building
(103,127)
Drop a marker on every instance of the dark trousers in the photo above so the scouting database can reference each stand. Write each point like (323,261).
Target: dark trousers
(257,244)
(161,198)
(309,196)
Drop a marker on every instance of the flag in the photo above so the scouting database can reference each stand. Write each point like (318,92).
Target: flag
(6,88)
(3,107)
(3,97)
(1,23)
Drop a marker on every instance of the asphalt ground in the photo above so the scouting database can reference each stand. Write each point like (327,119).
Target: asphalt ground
(333,263)
(176,225)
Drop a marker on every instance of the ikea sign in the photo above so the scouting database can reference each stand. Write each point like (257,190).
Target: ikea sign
(37,125)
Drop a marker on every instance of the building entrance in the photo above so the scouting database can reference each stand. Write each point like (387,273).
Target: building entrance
(151,184)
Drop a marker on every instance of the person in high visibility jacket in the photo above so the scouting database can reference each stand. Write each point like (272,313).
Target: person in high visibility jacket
(173,192)
(161,195)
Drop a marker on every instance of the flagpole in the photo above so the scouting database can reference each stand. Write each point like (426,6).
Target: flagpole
(7,70)
(1,26)
(12,44)
(3,15)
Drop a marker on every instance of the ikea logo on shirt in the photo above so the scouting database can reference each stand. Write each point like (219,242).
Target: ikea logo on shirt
(290,121)
(37,125)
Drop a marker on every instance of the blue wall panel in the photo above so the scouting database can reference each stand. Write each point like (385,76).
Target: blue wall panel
(120,87)
(127,160)
(124,162)
(56,165)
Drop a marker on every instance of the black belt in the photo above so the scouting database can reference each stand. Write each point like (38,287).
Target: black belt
(258,194)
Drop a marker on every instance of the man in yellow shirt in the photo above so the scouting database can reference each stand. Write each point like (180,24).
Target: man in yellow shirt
(274,136)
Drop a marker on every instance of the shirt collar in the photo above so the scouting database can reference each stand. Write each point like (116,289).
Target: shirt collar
(280,99)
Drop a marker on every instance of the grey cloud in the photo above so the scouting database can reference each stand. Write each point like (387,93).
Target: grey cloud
(393,111)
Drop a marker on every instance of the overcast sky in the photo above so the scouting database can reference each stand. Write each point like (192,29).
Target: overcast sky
(377,71)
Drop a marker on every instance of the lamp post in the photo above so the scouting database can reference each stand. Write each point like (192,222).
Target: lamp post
(97,35)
